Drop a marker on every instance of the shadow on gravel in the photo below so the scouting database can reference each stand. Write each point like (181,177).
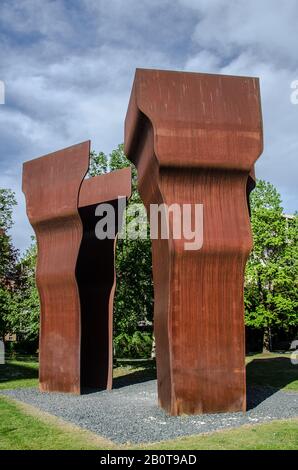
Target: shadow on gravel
(146,373)
(136,377)
(265,377)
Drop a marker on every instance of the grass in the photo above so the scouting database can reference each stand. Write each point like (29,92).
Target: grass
(23,372)
(277,435)
(19,373)
(271,370)
(24,427)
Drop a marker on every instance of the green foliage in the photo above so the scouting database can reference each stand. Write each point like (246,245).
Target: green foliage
(25,320)
(20,303)
(271,294)
(8,254)
(136,346)
(7,309)
(98,164)
(134,293)
(7,202)
(134,290)
(18,295)
(271,291)
(8,260)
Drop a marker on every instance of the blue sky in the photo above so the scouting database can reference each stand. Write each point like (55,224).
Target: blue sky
(68,67)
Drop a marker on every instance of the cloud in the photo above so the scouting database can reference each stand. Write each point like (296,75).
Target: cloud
(263,27)
(68,69)
(256,38)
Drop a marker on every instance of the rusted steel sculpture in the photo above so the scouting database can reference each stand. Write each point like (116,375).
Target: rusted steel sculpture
(75,271)
(96,277)
(194,139)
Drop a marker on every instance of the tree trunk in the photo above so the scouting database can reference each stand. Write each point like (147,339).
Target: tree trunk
(153,355)
(267,339)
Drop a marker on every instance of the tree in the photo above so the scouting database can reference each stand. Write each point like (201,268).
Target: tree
(24,319)
(271,298)
(8,261)
(7,309)
(19,304)
(7,203)
(98,164)
(8,254)
(134,292)
(133,303)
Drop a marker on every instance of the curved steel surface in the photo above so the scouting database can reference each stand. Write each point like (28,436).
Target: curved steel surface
(104,188)
(97,279)
(194,139)
(75,271)
(51,185)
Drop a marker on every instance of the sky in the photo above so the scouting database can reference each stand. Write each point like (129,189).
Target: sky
(68,68)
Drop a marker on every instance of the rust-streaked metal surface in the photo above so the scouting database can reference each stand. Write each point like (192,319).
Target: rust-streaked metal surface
(107,187)
(75,271)
(194,139)
(51,185)
(96,278)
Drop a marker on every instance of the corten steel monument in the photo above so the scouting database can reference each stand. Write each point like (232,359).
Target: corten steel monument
(75,271)
(194,139)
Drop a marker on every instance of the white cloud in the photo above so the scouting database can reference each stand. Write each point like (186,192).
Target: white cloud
(204,61)
(257,38)
(266,27)
(68,69)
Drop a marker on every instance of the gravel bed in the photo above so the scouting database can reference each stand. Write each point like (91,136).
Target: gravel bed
(130,414)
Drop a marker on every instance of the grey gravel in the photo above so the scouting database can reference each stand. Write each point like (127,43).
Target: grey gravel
(131,414)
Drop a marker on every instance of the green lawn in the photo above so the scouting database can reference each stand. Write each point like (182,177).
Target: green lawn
(276,435)
(24,427)
(17,373)
(274,370)
(23,372)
